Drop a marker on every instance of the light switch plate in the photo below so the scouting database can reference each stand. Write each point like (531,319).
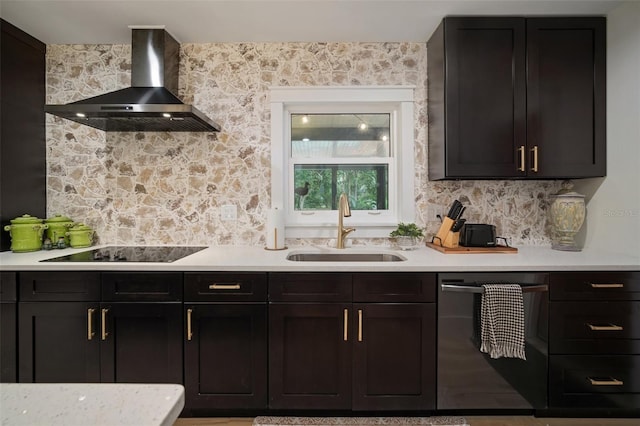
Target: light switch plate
(229,212)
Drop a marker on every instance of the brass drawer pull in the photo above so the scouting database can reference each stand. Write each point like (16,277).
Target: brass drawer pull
(359,325)
(104,332)
(224,286)
(521,167)
(609,327)
(189,330)
(612,285)
(534,151)
(90,332)
(598,381)
(345,329)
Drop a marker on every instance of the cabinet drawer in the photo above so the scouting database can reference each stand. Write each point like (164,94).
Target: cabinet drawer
(59,286)
(394,287)
(219,287)
(8,290)
(141,287)
(310,287)
(594,286)
(594,327)
(594,381)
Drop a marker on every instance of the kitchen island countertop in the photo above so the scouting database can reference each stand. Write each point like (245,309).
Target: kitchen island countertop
(423,259)
(90,404)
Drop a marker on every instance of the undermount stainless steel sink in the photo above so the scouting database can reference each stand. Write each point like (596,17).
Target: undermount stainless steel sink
(345,257)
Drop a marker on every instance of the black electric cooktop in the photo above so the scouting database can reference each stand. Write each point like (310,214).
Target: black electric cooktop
(163,254)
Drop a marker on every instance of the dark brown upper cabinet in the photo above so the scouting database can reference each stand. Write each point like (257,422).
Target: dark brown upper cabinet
(23,151)
(517,98)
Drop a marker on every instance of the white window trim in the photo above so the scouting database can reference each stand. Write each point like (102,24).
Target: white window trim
(284,99)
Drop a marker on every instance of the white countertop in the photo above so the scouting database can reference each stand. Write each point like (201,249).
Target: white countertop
(90,404)
(424,259)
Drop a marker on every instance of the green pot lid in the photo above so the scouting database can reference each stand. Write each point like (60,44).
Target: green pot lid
(58,218)
(80,227)
(25,220)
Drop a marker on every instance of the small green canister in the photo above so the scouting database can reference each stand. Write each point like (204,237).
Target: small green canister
(26,233)
(80,235)
(58,227)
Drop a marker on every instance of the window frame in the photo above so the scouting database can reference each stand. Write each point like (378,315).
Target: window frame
(396,100)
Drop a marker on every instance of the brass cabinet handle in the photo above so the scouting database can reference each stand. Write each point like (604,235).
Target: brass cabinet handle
(90,332)
(609,327)
(521,167)
(612,285)
(345,329)
(217,286)
(610,382)
(359,325)
(534,151)
(104,331)
(189,330)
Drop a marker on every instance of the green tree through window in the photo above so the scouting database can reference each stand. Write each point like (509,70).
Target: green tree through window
(365,185)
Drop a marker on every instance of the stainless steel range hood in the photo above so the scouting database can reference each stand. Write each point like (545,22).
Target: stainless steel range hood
(151,104)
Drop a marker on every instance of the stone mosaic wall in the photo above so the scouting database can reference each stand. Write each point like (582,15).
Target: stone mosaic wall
(167,188)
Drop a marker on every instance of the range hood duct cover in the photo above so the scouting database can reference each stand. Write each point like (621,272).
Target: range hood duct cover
(151,104)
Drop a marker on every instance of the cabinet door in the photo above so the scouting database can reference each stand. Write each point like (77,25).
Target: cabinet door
(225,287)
(73,286)
(394,287)
(8,327)
(58,342)
(23,144)
(394,357)
(485,100)
(141,286)
(586,327)
(141,343)
(309,356)
(603,285)
(595,381)
(566,92)
(225,356)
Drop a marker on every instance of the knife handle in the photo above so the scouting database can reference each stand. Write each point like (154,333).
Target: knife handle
(458,225)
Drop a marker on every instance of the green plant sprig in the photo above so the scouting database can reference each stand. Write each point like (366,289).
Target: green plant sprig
(407,230)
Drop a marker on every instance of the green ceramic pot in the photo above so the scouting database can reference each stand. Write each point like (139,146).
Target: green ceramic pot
(26,233)
(58,227)
(80,235)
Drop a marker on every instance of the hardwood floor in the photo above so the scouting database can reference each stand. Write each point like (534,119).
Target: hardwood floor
(472,420)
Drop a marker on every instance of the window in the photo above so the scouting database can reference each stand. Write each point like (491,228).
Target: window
(329,140)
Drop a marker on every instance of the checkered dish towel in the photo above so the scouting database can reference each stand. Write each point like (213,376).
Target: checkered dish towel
(502,321)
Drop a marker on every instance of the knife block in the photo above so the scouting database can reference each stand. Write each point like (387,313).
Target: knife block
(445,237)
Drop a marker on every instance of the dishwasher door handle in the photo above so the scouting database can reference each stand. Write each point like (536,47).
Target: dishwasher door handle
(478,289)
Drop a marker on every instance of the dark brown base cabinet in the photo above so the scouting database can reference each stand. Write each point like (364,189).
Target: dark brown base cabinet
(363,342)
(8,326)
(300,342)
(309,356)
(69,332)
(225,342)
(515,97)
(594,341)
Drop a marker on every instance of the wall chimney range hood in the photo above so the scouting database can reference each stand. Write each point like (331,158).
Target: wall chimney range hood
(151,104)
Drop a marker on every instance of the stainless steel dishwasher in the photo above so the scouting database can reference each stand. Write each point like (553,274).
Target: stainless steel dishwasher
(469,379)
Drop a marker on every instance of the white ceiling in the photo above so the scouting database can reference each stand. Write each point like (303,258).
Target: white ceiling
(200,21)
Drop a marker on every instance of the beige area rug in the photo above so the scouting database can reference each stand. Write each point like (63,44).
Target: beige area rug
(360,421)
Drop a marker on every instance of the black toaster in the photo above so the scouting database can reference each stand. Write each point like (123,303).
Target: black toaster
(478,235)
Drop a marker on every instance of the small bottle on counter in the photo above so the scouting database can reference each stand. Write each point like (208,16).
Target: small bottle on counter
(61,243)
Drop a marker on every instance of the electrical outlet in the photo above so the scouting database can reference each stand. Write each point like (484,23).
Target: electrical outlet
(432,212)
(229,212)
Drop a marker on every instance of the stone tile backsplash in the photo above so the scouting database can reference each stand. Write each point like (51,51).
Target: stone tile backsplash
(168,188)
